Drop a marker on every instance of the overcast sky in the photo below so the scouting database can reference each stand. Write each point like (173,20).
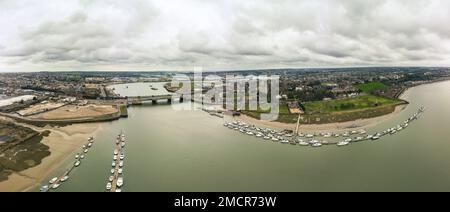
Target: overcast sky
(221,34)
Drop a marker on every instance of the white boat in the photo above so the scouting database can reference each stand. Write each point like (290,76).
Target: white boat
(82,157)
(266,137)
(316,145)
(250,133)
(86,150)
(84,147)
(89,144)
(116,152)
(314,142)
(121,163)
(309,135)
(275,139)
(259,135)
(44,188)
(289,135)
(327,135)
(122,156)
(122,144)
(56,185)
(342,143)
(108,186)
(77,163)
(301,135)
(284,141)
(115,157)
(112,171)
(113,164)
(376,137)
(53,180)
(65,178)
(302,143)
(111,178)
(118,190)
(77,156)
(120,171)
(119,182)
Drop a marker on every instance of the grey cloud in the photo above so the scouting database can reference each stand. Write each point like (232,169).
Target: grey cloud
(233,33)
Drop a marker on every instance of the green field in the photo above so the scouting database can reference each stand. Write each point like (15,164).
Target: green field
(368,88)
(339,105)
(283,109)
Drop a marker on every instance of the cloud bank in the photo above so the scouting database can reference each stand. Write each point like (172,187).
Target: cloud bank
(227,34)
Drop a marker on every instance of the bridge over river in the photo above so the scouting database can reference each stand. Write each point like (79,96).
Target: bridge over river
(154,98)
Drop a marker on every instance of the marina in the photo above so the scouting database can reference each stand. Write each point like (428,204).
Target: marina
(286,136)
(56,182)
(115,180)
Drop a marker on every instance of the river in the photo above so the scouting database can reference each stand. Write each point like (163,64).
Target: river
(170,150)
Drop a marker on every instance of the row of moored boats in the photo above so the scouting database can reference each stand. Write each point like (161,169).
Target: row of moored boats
(55,182)
(311,139)
(115,180)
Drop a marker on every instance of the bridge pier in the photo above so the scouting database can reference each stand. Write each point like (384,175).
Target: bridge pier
(181,99)
(169,101)
(154,101)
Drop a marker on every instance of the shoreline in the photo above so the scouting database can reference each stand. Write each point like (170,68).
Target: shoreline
(62,143)
(325,128)
(337,127)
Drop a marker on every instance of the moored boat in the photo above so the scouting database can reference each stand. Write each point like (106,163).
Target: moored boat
(55,186)
(119,182)
(44,188)
(53,180)
(65,178)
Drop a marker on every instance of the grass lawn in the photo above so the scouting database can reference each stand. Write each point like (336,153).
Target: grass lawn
(283,109)
(339,105)
(372,86)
